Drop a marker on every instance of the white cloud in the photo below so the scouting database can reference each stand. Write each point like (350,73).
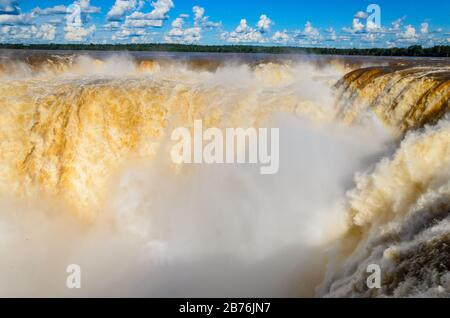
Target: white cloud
(125,34)
(74,17)
(56,21)
(199,13)
(360,26)
(18,32)
(59,9)
(310,31)
(9,7)
(77,16)
(86,7)
(189,35)
(193,34)
(129,20)
(308,36)
(371,37)
(243,33)
(242,27)
(179,34)
(160,9)
(78,34)
(373,27)
(264,23)
(122,8)
(409,34)
(19,19)
(46,32)
(281,37)
(360,15)
(11,15)
(424,28)
(159,12)
(397,24)
(136,22)
(357,27)
(155,18)
(332,34)
(111,25)
(201,20)
(178,23)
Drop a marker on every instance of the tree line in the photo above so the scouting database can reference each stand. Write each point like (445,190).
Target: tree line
(415,50)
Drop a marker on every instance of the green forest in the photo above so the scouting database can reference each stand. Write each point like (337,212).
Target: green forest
(416,50)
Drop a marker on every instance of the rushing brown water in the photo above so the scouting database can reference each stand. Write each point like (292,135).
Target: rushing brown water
(398,213)
(403,97)
(86,176)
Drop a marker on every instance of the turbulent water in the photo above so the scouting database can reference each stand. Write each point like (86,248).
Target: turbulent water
(399,211)
(86,176)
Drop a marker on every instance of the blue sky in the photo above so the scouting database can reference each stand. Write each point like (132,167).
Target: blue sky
(324,23)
